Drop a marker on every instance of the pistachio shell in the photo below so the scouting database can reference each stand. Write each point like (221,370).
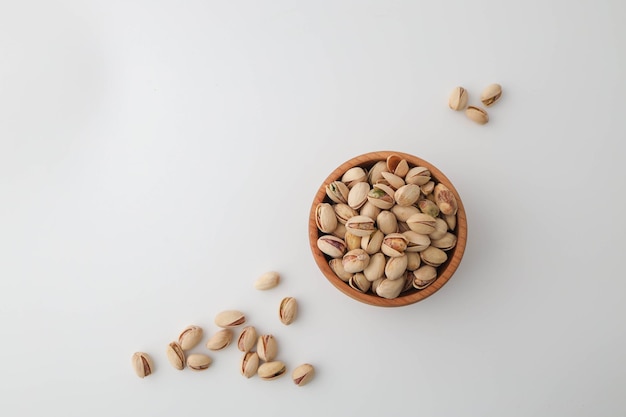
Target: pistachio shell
(249,364)
(397,165)
(331,246)
(352,241)
(491,94)
(288,310)
(390,288)
(416,242)
(353,176)
(303,374)
(190,337)
(433,256)
(375,268)
(344,212)
(403,213)
(376,283)
(372,243)
(424,276)
(447,242)
(407,195)
(358,195)
(198,361)
(175,355)
(142,364)
(267,347)
(421,223)
(458,99)
(428,187)
(396,267)
(340,231)
(393,180)
(387,222)
(417,175)
(394,244)
(271,370)
(247,338)
(445,199)
(359,282)
(375,173)
(268,280)
(381,196)
(477,115)
(325,218)
(369,210)
(220,339)
(230,318)
(355,261)
(450,220)
(428,207)
(413,261)
(441,228)
(337,191)
(337,266)
(360,226)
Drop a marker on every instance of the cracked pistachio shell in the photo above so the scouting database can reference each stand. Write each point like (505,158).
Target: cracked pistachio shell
(450,220)
(337,267)
(387,222)
(394,244)
(369,210)
(359,282)
(392,180)
(477,115)
(355,261)
(445,199)
(441,228)
(331,246)
(340,231)
(413,261)
(190,337)
(418,176)
(266,347)
(375,173)
(397,165)
(267,281)
(337,191)
(249,364)
(421,223)
(381,196)
(376,267)
(271,370)
(344,212)
(358,195)
(376,283)
(458,99)
(491,94)
(372,243)
(416,242)
(175,355)
(403,213)
(354,176)
(303,374)
(352,241)
(220,339)
(142,364)
(407,195)
(433,256)
(360,226)
(424,276)
(395,267)
(390,288)
(247,338)
(325,218)
(230,318)
(198,361)
(447,242)
(428,207)
(288,310)
(428,188)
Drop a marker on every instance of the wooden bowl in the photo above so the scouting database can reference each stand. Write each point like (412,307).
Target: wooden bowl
(445,271)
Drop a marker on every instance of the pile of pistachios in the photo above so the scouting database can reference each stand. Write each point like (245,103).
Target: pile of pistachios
(259,351)
(459,98)
(386,230)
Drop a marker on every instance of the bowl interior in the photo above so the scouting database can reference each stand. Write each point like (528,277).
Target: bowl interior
(445,271)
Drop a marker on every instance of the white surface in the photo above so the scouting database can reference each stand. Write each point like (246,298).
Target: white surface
(156,157)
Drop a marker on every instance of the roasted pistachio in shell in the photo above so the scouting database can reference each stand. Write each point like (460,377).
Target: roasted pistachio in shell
(352,241)
(429,207)
(381,196)
(360,226)
(407,195)
(230,318)
(369,210)
(428,188)
(353,176)
(491,94)
(142,364)
(447,242)
(247,339)
(387,222)
(303,374)
(375,268)
(271,370)
(375,172)
(249,364)
(424,276)
(416,242)
(355,261)
(269,279)
(394,244)
(418,176)
(358,195)
(403,213)
(441,228)
(337,191)
(421,223)
(392,180)
(288,310)
(325,218)
(344,212)
(198,361)
(395,267)
(220,339)
(266,347)
(390,288)
(190,337)
(372,243)
(445,199)
(175,355)
(433,256)
(359,282)
(397,165)
(331,246)
(336,265)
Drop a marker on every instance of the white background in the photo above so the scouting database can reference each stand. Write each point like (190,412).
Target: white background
(156,157)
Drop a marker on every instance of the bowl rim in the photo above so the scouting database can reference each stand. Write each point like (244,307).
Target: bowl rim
(455,255)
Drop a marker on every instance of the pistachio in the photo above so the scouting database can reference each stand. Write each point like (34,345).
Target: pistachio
(458,99)
(441,228)
(450,220)
(268,280)
(393,180)
(390,288)
(413,261)
(407,195)
(249,364)
(394,244)
(337,267)
(375,284)
(416,242)
(447,242)
(403,213)
(397,165)
(381,196)
(491,94)
(433,256)
(175,355)
(230,318)
(340,231)
(421,223)
(375,172)
(477,115)
(445,199)
(375,268)
(403,227)
(369,210)
(271,370)
(408,281)
(198,361)
(142,364)
(357,196)
(331,246)
(247,338)
(360,226)
(220,339)
(303,374)
(267,347)
(337,191)
(343,212)
(355,261)
(325,217)
(190,337)
(428,188)
(288,310)
(427,206)
(352,241)
(424,276)
(371,244)
(395,267)
(353,176)
(359,282)
(387,222)
(417,175)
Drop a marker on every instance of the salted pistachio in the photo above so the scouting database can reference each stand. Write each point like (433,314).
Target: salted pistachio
(397,165)
(392,180)
(190,337)
(360,226)
(175,355)
(428,187)
(230,318)
(340,231)
(458,99)
(353,176)
(268,280)
(337,267)
(441,228)
(220,339)
(387,222)
(394,244)
(447,242)
(390,288)
(266,347)
(491,94)
(198,361)
(369,210)
(271,370)
(331,246)
(433,256)
(424,276)
(381,196)
(421,223)
(357,196)
(142,364)
(413,261)
(355,260)
(249,364)
(352,241)
(288,310)
(445,199)
(407,195)
(337,191)
(359,282)
(372,243)
(428,206)
(376,283)
(395,267)
(247,338)
(376,267)
(417,175)
(403,213)
(450,220)
(416,242)
(325,217)
(343,212)
(303,374)
(375,172)
(477,115)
